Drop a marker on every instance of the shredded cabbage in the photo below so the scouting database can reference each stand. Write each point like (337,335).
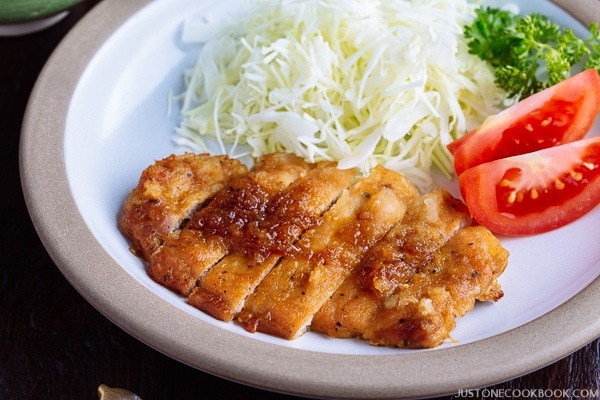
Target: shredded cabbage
(362,82)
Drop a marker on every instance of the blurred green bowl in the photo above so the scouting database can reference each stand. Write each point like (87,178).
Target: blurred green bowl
(19,11)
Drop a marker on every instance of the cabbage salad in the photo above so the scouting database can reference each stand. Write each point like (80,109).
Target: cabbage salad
(361,82)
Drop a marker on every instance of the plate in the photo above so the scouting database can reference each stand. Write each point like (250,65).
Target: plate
(100,113)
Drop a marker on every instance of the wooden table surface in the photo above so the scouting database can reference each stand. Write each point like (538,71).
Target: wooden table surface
(54,345)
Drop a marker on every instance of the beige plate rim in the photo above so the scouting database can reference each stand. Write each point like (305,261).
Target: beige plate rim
(206,347)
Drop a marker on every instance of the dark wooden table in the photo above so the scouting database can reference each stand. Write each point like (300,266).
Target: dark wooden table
(54,345)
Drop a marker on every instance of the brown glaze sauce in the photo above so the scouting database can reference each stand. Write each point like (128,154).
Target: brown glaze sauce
(252,223)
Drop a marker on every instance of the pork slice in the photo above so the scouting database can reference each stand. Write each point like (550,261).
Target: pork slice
(221,226)
(169,192)
(223,290)
(423,312)
(288,297)
(429,222)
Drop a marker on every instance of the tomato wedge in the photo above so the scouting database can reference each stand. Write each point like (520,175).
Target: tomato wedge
(560,114)
(535,192)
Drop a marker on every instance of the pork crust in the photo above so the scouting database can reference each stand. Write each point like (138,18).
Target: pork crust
(223,290)
(423,312)
(286,300)
(429,222)
(223,224)
(288,246)
(169,192)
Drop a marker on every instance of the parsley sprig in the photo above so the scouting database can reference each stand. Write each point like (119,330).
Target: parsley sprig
(530,52)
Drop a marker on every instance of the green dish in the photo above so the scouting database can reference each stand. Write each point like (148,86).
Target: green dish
(18,11)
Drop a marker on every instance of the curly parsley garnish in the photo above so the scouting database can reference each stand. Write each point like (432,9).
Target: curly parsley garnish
(529,53)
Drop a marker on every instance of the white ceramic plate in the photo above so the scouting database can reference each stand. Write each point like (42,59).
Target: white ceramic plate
(99,115)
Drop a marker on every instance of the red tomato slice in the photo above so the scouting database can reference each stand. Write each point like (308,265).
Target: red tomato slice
(560,114)
(535,192)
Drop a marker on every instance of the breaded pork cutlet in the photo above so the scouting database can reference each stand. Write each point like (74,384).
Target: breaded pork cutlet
(223,290)
(430,220)
(219,227)
(286,300)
